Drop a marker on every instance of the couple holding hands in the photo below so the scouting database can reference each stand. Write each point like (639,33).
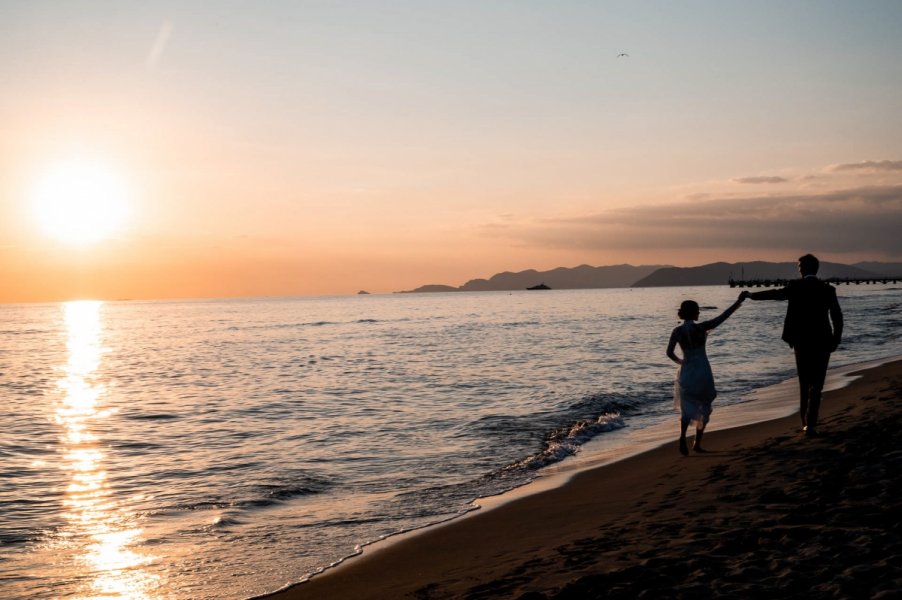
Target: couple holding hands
(813,329)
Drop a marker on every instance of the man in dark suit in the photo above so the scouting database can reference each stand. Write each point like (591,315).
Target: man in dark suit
(807,329)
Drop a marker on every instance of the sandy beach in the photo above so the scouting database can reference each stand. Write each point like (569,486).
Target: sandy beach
(766,511)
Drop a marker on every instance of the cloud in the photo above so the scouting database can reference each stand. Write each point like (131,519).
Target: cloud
(852,220)
(761,179)
(159,45)
(870,166)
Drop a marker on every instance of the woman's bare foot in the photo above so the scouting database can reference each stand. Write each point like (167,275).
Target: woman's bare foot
(697,443)
(684,448)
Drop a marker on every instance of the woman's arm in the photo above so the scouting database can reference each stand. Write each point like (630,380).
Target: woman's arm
(670,347)
(725,315)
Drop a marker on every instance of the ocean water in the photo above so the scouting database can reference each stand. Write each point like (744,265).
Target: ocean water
(225,448)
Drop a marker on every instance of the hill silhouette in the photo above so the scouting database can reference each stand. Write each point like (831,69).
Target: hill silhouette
(622,276)
(581,277)
(881,268)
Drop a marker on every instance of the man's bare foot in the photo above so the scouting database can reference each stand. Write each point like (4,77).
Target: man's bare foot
(684,448)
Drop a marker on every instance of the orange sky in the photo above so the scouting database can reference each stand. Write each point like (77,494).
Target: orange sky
(318,148)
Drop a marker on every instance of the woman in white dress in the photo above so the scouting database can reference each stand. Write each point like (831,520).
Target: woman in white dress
(694,389)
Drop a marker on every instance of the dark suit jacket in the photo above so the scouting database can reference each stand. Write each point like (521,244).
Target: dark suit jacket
(812,307)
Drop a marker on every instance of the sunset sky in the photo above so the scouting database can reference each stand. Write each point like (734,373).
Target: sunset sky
(323,147)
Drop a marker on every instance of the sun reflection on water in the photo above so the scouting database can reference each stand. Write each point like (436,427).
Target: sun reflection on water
(103,531)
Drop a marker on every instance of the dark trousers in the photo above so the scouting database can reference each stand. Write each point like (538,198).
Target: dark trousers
(811,364)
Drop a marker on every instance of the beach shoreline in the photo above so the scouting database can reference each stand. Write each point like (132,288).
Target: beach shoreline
(583,534)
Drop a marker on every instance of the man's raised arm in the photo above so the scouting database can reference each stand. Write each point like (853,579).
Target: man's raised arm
(776,294)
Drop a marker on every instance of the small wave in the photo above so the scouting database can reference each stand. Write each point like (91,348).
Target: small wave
(266,327)
(277,494)
(16,449)
(605,403)
(517,324)
(204,505)
(26,389)
(135,445)
(258,495)
(152,417)
(282,326)
(220,523)
(566,441)
(237,466)
(434,501)
(10,332)
(520,429)
(224,522)
(11,472)
(11,537)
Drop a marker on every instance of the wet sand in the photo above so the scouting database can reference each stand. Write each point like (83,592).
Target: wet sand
(767,511)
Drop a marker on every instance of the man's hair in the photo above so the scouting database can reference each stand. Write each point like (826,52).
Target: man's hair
(809,264)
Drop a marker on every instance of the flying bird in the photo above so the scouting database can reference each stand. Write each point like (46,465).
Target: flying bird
(622,54)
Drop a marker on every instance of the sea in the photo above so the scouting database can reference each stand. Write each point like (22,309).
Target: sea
(227,448)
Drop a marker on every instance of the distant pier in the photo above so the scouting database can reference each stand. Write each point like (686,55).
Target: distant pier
(743,283)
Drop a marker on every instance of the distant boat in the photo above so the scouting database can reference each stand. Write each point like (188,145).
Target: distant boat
(363,293)
(541,286)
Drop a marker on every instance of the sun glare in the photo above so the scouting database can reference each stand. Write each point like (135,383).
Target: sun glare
(80,202)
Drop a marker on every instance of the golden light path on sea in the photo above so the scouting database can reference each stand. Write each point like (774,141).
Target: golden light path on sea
(101,530)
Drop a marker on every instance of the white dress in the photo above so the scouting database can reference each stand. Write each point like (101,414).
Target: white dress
(694,390)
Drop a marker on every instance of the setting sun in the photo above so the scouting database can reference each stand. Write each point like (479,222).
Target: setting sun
(80,202)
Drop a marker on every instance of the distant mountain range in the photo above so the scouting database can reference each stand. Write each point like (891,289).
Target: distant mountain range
(621,276)
(581,277)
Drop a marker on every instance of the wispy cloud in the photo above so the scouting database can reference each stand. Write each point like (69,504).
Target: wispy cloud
(850,220)
(761,179)
(870,166)
(159,45)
